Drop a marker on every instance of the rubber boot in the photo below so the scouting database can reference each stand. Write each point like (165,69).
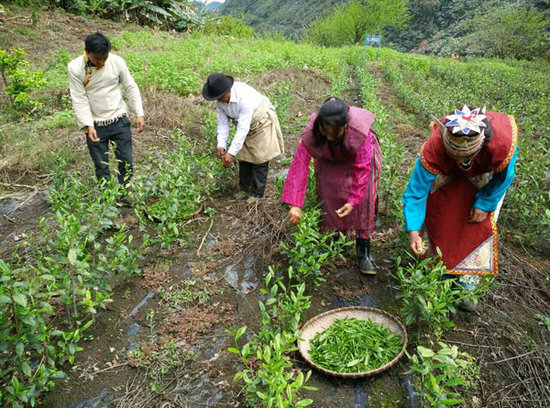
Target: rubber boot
(364,258)
(468,284)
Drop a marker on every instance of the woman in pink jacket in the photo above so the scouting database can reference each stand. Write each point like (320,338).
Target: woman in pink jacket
(347,159)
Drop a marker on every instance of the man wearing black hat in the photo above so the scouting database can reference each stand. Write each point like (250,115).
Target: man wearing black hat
(258,137)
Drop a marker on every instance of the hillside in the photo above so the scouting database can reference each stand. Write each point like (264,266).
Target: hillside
(434,24)
(283,16)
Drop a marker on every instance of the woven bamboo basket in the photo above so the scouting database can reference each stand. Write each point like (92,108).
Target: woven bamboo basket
(323,321)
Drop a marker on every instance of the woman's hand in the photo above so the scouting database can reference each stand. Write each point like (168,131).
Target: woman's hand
(477,215)
(416,243)
(295,214)
(345,210)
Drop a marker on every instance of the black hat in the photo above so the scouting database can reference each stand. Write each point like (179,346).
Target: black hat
(216,86)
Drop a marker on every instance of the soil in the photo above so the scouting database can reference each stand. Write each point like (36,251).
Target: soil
(188,297)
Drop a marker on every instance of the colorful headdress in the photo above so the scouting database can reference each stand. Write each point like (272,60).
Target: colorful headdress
(469,126)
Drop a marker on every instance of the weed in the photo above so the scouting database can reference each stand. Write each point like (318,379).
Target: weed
(183,294)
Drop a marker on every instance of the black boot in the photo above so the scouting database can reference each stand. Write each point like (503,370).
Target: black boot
(364,258)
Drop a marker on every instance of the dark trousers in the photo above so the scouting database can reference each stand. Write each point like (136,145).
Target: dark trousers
(253,178)
(120,135)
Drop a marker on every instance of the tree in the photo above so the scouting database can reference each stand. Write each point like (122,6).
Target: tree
(513,33)
(348,23)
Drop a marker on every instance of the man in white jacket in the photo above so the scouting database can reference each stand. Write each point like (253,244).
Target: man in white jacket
(258,137)
(95,80)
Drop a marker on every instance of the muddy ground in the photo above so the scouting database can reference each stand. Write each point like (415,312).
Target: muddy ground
(189,296)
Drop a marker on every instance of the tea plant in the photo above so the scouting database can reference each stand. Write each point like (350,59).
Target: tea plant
(282,312)
(428,300)
(25,313)
(440,373)
(310,249)
(174,190)
(71,262)
(267,374)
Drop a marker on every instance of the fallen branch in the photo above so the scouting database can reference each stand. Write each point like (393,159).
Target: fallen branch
(204,238)
(511,358)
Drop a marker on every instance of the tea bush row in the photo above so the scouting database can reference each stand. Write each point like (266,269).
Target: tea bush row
(49,297)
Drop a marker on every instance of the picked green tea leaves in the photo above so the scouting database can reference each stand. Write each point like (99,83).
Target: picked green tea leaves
(353,346)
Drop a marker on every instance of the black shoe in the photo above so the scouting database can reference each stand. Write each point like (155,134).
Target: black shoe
(364,258)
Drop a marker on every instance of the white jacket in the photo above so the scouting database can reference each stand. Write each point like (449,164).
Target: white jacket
(101,100)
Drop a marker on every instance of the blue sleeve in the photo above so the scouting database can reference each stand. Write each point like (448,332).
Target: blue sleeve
(488,197)
(415,196)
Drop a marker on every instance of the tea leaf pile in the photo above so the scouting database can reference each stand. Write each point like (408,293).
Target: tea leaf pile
(354,345)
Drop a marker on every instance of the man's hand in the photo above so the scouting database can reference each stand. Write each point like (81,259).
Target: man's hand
(140,124)
(345,210)
(295,214)
(416,243)
(220,151)
(227,160)
(477,215)
(92,134)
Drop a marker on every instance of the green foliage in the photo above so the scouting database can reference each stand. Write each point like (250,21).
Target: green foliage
(512,33)
(76,254)
(19,80)
(230,26)
(172,191)
(281,17)
(428,300)
(543,320)
(309,249)
(267,374)
(248,58)
(348,23)
(183,294)
(281,99)
(59,119)
(441,372)
(471,27)
(394,162)
(179,15)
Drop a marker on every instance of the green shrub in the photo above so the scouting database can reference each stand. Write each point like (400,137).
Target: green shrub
(512,33)
(19,80)
(348,23)
(428,300)
(230,26)
(268,374)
